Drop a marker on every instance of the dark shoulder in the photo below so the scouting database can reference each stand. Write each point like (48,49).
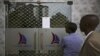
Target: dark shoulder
(94,37)
(94,41)
(95,34)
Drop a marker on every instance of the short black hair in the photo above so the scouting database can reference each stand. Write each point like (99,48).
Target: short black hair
(93,20)
(71,27)
(89,22)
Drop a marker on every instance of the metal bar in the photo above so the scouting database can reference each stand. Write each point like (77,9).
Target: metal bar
(41,2)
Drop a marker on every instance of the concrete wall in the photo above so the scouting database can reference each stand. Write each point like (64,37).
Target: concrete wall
(2,30)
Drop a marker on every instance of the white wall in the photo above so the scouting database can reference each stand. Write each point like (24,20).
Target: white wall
(83,7)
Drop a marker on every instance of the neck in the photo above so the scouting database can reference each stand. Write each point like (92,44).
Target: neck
(86,32)
(71,33)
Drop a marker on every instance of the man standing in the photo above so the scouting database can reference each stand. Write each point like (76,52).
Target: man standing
(73,42)
(91,47)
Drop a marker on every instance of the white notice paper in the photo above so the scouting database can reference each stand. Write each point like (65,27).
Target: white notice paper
(45,22)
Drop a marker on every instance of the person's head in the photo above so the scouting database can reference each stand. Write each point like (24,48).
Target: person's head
(88,23)
(70,27)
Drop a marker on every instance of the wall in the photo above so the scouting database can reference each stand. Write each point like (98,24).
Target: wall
(82,7)
(79,8)
(2,30)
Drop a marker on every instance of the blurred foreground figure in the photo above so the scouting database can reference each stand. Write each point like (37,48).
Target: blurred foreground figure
(91,47)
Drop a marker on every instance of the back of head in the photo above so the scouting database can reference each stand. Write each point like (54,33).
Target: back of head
(71,27)
(89,22)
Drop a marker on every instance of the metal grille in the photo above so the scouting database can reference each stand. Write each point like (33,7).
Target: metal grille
(37,53)
(58,20)
(29,15)
(32,53)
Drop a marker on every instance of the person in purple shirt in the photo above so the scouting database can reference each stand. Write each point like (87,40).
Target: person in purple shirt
(73,42)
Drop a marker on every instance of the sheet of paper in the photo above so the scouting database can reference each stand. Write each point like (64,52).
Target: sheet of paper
(45,22)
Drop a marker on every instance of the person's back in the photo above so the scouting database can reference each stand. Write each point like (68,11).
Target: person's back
(92,45)
(94,41)
(73,42)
